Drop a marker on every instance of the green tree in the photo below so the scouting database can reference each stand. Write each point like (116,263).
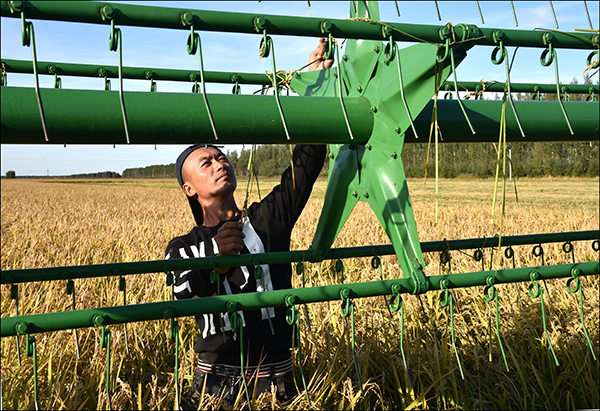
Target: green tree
(11,174)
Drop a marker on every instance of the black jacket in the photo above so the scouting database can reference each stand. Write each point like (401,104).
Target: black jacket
(267,336)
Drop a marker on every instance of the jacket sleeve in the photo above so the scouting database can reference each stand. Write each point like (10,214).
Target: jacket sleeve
(287,200)
(188,283)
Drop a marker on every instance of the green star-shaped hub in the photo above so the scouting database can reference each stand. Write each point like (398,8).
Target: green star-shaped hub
(373,172)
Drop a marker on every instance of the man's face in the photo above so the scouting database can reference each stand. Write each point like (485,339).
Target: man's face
(207,173)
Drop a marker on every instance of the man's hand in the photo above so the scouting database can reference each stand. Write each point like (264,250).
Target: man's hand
(318,54)
(230,240)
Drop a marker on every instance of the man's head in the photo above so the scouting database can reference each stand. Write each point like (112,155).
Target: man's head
(205,175)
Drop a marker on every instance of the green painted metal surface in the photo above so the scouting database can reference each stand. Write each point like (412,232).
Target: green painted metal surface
(541,120)
(172,118)
(139,73)
(140,267)
(31,324)
(172,18)
(521,87)
(374,173)
(158,74)
(95,117)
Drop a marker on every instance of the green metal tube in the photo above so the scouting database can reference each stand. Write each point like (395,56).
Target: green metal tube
(31,324)
(142,73)
(517,87)
(172,18)
(135,73)
(94,117)
(542,121)
(118,269)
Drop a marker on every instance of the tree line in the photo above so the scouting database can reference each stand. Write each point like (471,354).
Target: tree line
(561,159)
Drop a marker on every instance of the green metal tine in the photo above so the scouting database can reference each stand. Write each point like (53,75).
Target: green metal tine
(568,248)
(150,76)
(347,309)
(498,34)
(553,14)
(28,39)
(538,251)
(115,44)
(71,291)
(397,303)
(123,287)
(375,264)
(300,271)
(168,314)
(575,272)
(397,55)
(514,13)
(292,319)
(550,52)
(587,12)
(193,45)
(31,351)
(510,253)
(339,81)
(266,48)
(105,343)
(238,327)
(103,73)
(57,81)
(339,268)
(490,293)
(456,89)
(438,10)
(14,294)
(536,291)
(446,299)
(480,13)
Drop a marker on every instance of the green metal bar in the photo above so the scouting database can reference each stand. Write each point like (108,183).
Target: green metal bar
(159,74)
(542,121)
(31,324)
(162,17)
(94,117)
(118,269)
(523,87)
(134,73)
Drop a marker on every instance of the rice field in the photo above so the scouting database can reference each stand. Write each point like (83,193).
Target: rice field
(49,223)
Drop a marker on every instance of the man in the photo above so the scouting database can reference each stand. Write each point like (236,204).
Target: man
(208,180)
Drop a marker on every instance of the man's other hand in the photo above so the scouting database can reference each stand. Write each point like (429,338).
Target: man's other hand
(321,63)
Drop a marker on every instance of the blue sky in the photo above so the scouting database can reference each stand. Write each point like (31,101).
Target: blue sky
(159,48)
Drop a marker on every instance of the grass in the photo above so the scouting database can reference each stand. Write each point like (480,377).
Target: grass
(54,223)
